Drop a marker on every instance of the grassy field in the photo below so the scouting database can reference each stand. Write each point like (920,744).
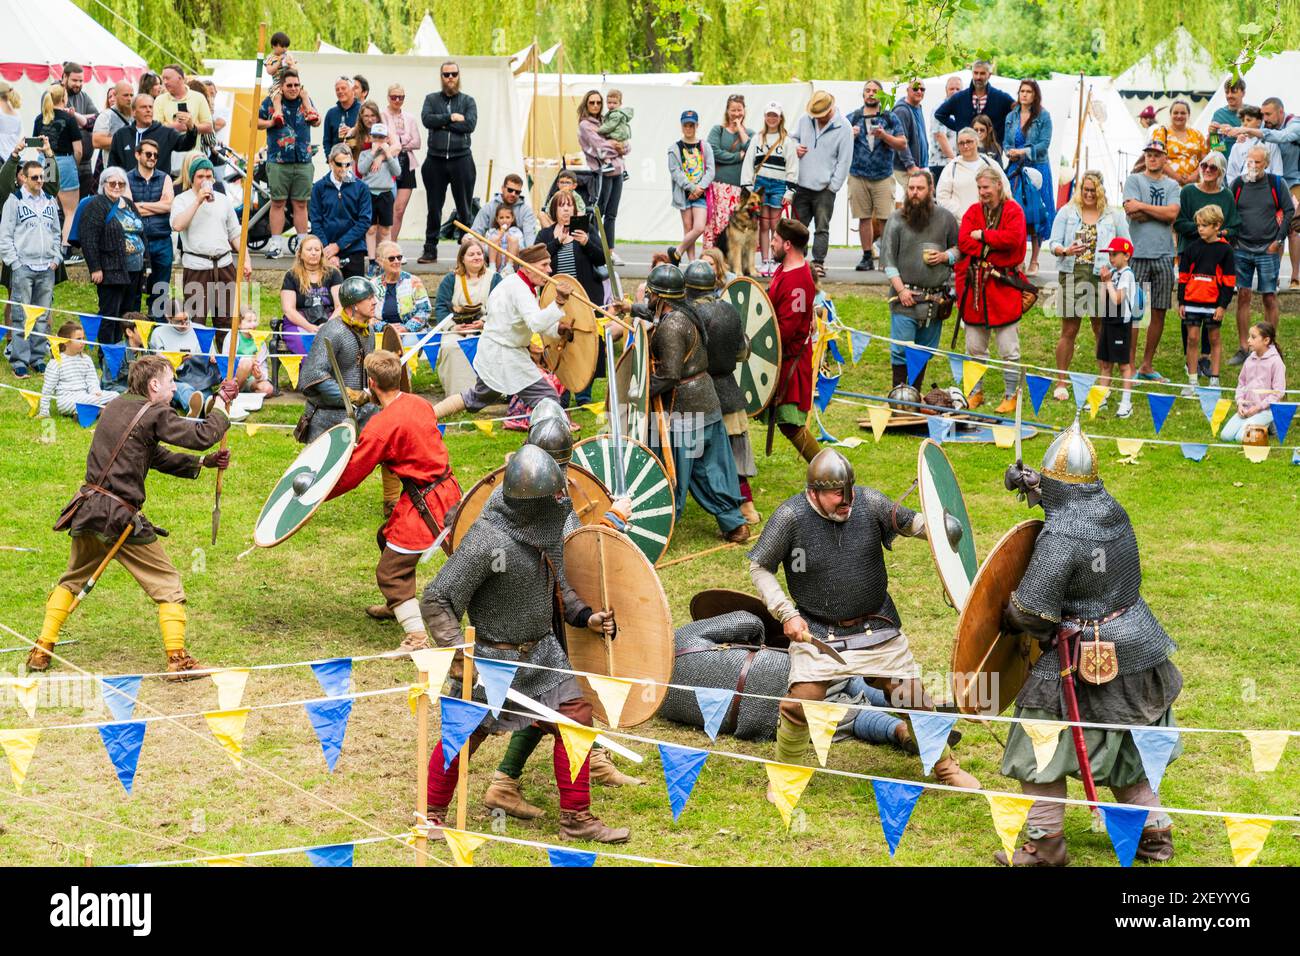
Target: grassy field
(1218,550)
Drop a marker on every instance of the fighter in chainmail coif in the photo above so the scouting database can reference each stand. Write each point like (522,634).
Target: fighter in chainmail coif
(1085,578)
(508,575)
(349,334)
(831,539)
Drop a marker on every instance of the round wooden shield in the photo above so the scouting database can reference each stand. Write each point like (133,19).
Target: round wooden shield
(757,375)
(942,501)
(654,505)
(572,358)
(717,601)
(391,341)
(286,511)
(632,379)
(591,499)
(608,571)
(988,666)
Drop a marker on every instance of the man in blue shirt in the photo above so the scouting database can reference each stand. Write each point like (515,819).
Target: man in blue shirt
(878,139)
(341,118)
(288,156)
(958,110)
(341,213)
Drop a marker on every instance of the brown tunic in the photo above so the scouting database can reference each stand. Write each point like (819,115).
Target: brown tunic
(101,515)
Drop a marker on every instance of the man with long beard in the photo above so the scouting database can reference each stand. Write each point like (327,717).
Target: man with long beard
(919,250)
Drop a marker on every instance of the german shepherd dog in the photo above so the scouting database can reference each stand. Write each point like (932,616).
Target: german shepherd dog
(739,241)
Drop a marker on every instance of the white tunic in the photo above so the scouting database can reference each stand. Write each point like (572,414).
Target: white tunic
(509,323)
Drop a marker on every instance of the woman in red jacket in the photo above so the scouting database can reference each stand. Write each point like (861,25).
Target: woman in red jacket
(992,243)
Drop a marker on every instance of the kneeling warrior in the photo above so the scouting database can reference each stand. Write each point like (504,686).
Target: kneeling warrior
(104,518)
(403,437)
(831,541)
(1083,582)
(508,573)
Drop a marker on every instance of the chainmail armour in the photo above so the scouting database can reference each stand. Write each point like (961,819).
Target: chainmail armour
(679,350)
(727,349)
(350,349)
(834,571)
(703,659)
(500,577)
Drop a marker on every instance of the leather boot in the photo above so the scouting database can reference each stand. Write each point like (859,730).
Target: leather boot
(1156,844)
(181,667)
(381,612)
(751,514)
(737,535)
(948,771)
(606,774)
(900,375)
(414,642)
(805,444)
(449,406)
(1045,851)
(504,793)
(583,825)
(38,658)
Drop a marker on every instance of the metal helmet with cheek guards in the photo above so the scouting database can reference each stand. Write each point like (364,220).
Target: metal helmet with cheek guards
(831,471)
(1071,457)
(532,473)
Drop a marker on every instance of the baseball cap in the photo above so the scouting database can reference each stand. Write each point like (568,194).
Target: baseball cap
(1155,146)
(379,130)
(1120,244)
(690,116)
(773,107)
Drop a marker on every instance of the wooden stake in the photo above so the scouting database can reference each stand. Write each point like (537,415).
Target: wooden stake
(560,107)
(466,689)
(697,554)
(422,772)
(604,602)
(532,135)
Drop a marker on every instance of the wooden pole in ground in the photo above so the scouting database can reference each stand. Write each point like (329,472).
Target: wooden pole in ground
(422,773)
(466,690)
(697,554)
(532,135)
(560,107)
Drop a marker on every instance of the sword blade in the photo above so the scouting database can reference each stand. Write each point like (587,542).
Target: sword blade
(1020,386)
(615,421)
(826,649)
(338,378)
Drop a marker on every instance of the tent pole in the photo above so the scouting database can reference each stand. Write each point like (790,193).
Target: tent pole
(532,148)
(560,106)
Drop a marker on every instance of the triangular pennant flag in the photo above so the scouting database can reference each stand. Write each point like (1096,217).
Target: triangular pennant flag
(571,857)
(787,785)
(1194,450)
(1209,398)
(463,846)
(434,662)
(833,347)
(87,413)
(1008,817)
(1124,827)
(413,695)
(442,429)
(223,363)
(955,364)
(1256,453)
(230,685)
(495,678)
(292,365)
(1266,748)
(972,373)
(879,415)
(1044,735)
(858,342)
(33,401)
(714,704)
(413,363)
(826,386)
(1246,836)
(340,854)
(1155,745)
(431,351)
(26,689)
(228,727)
(1283,412)
(144,328)
(329,718)
(469,346)
(233,860)
(19,746)
(931,730)
(114,355)
(120,695)
(334,676)
(894,803)
(577,741)
(823,719)
(939,428)
(682,766)
(122,742)
(1038,386)
(259,337)
(175,358)
(484,426)
(1004,436)
(33,314)
(205,334)
(1220,414)
(612,693)
(90,325)
(252,428)
(1082,384)
(56,346)
(917,359)
(596,408)
(1096,395)
(460,718)
(1129,447)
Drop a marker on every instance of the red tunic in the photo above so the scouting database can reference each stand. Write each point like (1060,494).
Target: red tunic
(792,293)
(990,301)
(405,437)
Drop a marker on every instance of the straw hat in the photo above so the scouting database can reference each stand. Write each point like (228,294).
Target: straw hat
(821,105)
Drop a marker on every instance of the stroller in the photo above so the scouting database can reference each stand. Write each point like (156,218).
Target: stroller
(259,225)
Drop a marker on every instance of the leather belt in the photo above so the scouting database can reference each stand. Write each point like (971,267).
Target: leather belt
(523,649)
(697,376)
(1083,623)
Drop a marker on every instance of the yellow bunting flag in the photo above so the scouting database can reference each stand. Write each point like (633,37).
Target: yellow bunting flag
(1004,436)
(971,373)
(252,428)
(879,415)
(291,365)
(1008,817)
(413,363)
(851,442)
(577,744)
(612,693)
(236,860)
(259,336)
(597,409)
(786,783)
(33,401)
(433,662)
(413,694)
(25,689)
(1266,748)
(484,426)
(31,314)
(1096,395)
(1246,836)
(230,687)
(1044,735)
(228,727)
(1220,414)
(823,719)
(463,846)
(1129,447)
(144,328)
(56,347)
(174,357)
(1256,453)
(536,342)
(19,746)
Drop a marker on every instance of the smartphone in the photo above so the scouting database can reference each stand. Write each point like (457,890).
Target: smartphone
(182,107)
(34,142)
(580,223)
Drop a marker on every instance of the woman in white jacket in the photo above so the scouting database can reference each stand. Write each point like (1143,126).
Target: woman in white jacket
(770,168)
(956,190)
(73,378)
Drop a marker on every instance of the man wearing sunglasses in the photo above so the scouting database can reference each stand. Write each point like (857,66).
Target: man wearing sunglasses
(288,156)
(450,117)
(31,247)
(152,193)
(340,214)
(512,195)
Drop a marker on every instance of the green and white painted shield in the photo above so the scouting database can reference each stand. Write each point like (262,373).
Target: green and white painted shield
(287,510)
(757,375)
(654,506)
(632,375)
(952,540)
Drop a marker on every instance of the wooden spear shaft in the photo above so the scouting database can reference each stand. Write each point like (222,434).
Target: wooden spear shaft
(422,772)
(462,777)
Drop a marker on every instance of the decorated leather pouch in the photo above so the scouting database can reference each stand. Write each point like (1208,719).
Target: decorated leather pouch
(1098,663)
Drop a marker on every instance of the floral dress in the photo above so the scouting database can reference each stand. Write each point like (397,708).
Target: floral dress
(1185,154)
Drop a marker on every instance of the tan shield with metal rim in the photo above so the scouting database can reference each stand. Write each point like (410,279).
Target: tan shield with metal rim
(608,571)
(948,526)
(591,499)
(304,485)
(572,357)
(988,666)
(391,341)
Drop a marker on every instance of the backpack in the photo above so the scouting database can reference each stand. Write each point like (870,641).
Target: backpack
(1273,181)
(74,231)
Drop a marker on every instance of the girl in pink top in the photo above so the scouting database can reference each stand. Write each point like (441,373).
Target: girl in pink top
(1262,382)
(404,129)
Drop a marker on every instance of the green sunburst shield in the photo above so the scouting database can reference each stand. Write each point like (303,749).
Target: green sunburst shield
(654,507)
(757,375)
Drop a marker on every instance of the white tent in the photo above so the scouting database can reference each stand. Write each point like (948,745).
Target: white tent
(372,50)
(1178,65)
(427,41)
(323,47)
(1270,76)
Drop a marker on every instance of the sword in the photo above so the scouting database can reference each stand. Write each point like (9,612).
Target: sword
(615,421)
(338,378)
(824,648)
(1020,460)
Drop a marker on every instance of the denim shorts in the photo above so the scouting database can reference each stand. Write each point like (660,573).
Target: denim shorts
(700,203)
(1261,265)
(772,191)
(69,181)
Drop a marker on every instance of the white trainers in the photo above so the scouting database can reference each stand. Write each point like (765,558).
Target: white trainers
(1125,410)
(274,250)
(616,259)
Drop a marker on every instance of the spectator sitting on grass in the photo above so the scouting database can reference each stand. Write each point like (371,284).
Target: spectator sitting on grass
(197,376)
(73,379)
(251,356)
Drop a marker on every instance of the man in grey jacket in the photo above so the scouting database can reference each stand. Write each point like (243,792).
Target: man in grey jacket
(31,246)
(825,151)
(450,117)
(512,195)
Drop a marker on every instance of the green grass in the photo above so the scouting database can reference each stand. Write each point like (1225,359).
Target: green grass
(1218,560)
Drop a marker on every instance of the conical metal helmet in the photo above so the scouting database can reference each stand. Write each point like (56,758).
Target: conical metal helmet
(532,473)
(1071,457)
(831,471)
(699,278)
(547,408)
(553,436)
